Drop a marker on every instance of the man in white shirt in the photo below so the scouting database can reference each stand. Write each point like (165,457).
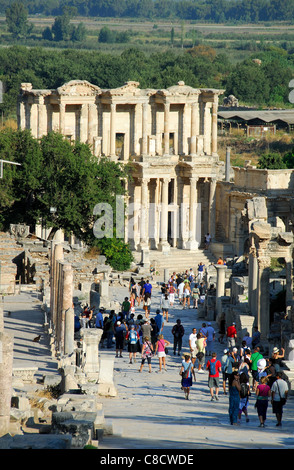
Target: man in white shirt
(181,287)
(192,344)
(279,393)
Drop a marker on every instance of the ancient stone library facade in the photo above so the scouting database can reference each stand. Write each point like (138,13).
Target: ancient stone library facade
(181,187)
(170,136)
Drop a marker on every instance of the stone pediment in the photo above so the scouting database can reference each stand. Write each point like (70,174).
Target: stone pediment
(181,89)
(79,88)
(129,88)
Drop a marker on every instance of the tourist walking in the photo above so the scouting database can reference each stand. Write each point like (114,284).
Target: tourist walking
(200,345)
(147,351)
(279,392)
(147,304)
(187,294)
(160,349)
(263,393)
(214,367)
(201,267)
(178,332)
(192,345)
(120,332)
(231,335)
(165,303)
(210,337)
(227,368)
(234,398)
(244,397)
(133,339)
(187,372)
(254,360)
(159,321)
(171,293)
(195,296)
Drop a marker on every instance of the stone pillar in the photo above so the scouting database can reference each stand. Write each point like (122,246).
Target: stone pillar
(207,129)
(144,219)
(57,255)
(144,128)
(220,286)
(263,296)
(42,118)
(252,281)
(214,128)
(67,310)
(164,245)
(6,364)
(91,339)
(192,243)
(83,123)
(194,128)
(228,164)
(212,208)
(92,123)
(166,128)
(112,129)
(62,118)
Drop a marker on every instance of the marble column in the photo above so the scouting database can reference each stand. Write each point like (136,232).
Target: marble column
(192,243)
(83,123)
(166,128)
(212,208)
(112,129)
(6,364)
(42,118)
(144,128)
(207,129)
(263,296)
(214,129)
(164,245)
(144,219)
(62,118)
(252,281)
(220,286)
(92,123)
(194,128)
(67,310)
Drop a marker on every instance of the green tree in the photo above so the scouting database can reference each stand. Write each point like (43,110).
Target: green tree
(61,28)
(17,19)
(271,161)
(288,159)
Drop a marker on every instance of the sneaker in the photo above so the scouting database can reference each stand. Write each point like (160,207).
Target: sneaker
(212,398)
(216,397)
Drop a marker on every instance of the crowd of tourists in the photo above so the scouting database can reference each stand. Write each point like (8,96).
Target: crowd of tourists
(245,374)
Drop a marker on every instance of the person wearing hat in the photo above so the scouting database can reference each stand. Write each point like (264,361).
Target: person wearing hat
(277,357)
(227,367)
(231,335)
(187,372)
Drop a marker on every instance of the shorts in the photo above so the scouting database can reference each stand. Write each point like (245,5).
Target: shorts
(161,354)
(255,375)
(148,360)
(213,382)
(133,348)
(277,407)
(194,352)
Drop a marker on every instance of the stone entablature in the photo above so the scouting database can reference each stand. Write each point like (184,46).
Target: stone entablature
(254,179)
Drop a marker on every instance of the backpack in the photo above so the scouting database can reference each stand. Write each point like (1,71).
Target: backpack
(212,368)
(133,337)
(244,390)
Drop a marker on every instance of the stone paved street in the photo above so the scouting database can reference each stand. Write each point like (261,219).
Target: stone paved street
(150,411)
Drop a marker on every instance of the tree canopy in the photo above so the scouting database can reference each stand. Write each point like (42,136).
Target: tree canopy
(57,173)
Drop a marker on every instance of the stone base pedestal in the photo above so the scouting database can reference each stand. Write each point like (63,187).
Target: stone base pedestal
(164,247)
(191,245)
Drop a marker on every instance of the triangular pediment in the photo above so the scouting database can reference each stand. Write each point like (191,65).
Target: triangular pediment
(79,88)
(129,88)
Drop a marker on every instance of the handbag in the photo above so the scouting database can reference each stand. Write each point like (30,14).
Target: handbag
(282,400)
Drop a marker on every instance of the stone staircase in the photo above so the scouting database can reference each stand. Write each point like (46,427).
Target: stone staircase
(180,260)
